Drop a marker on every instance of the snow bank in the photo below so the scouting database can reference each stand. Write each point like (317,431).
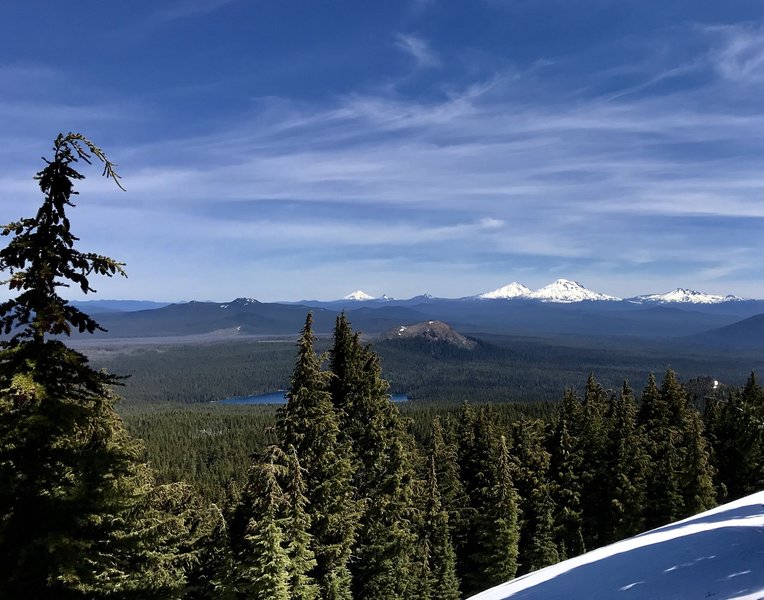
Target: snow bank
(716,555)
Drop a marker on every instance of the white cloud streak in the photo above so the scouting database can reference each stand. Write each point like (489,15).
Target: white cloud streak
(484,175)
(419,49)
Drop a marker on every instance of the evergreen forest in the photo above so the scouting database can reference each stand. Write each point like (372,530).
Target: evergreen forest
(340,493)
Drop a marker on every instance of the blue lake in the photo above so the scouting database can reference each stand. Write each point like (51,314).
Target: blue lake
(280,398)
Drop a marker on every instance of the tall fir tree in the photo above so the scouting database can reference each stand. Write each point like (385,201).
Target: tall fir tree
(264,562)
(566,466)
(71,478)
(476,451)
(501,533)
(595,487)
(297,536)
(695,474)
(531,477)
(436,541)
(626,467)
(664,502)
(383,469)
(309,424)
(734,430)
(444,450)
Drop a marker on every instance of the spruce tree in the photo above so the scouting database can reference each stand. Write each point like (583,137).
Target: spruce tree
(436,536)
(531,477)
(627,464)
(566,467)
(70,476)
(309,424)
(264,562)
(383,469)
(477,460)
(733,427)
(595,486)
(664,502)
(695,474)
(297,536)
(501,534)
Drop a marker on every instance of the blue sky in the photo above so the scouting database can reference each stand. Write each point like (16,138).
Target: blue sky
(304,149)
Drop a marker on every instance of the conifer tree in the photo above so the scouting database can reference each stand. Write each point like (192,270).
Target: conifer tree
(477,463)
(662,488)
(531,478)
(733,427)
(70,476)
(297,536)
(443,449)
(383,469)
(264,563)
(309,424)
(501,534)
(566,467)
(436,536)
(595,487)
(698,473)
(627,464)
(695,474)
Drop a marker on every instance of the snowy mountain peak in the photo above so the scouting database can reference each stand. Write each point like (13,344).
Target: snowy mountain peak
(513,290)
(564,290)
(687,296)
(241,302)
(359,295)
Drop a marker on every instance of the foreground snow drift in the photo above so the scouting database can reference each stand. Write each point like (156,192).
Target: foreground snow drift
(718,555)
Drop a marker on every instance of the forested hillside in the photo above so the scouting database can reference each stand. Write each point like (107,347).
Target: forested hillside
(336,495)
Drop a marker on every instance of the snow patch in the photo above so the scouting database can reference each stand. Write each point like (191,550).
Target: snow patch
(687,296)
(512,290)
(564,290)
(359,296)
(723,555)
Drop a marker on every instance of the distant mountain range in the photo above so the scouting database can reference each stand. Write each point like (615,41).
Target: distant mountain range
(562,308)
(563,291)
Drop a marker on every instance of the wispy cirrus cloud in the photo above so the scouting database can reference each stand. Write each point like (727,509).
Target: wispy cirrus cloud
(627,174)
(738,54)
(189,8)
(418,49)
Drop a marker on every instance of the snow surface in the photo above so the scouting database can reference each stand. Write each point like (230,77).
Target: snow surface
(564,290)
(717,555)
(687,296)
(513,290)
(359,295)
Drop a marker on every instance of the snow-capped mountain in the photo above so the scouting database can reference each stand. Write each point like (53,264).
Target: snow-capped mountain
(716,554)
(513,290)
(686,296)
(359,296)
(564,290)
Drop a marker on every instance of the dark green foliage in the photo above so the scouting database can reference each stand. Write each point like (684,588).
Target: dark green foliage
(439,555)
(664,498)
(734,428)
(73,488)
(444,451)
(680,480)
(531,478)
(263,562)
(308,424)
(567,464)
(626,466)
(383,469)
(501,534)
(296,533)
